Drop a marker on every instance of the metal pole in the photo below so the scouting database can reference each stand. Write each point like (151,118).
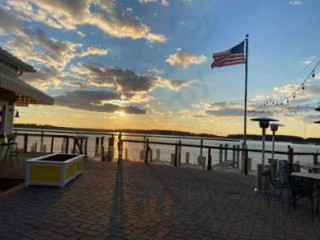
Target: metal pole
(273,140)
(263,146)
(246,92)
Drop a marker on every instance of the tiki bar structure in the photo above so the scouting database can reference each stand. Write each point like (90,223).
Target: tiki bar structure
(14,91)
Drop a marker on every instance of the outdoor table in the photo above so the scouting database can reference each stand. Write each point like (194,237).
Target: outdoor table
(314,179)
(310,167)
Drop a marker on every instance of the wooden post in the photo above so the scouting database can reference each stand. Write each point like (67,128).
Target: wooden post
(67,145)
(209,167)
(290,155)
(244,161)
(120,146)
(41,141)
(25,143)
(86,147)
(147,151)
(102,154)
(96,150)
(176,156)
(220,153)
(226,152)
(74,145)
(238,156)
(102,141)
(315,159)
(52,142)
(179,153)
(201,147)
(233,156)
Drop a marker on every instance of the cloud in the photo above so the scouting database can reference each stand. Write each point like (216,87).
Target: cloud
(164,3)
(9,22)
(44,78)
(95,101)
(103,14)
(122,80)
(224,109)
(296,2)
(36,45)
(182,58)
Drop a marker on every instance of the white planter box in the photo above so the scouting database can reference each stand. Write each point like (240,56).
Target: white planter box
(56,169)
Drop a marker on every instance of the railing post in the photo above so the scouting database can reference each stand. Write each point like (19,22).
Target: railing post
(67,145)
(41,142)
(25,143)
(226,152)
(176,156)
(102,153)
(52,142)
(233,156)
(96,149)
(201,147)
(179,153)
(220,153)
(238,156)
(74,145)
(86,147)
(290,155)
(147,151)
(120,146)
(245,159)
(209,167)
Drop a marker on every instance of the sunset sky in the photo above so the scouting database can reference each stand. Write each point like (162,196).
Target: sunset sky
(145,64)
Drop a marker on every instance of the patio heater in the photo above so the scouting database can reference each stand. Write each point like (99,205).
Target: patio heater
(274,126)
(264,124)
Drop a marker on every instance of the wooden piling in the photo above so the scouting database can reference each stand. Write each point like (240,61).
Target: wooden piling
(226,152)
(209,166)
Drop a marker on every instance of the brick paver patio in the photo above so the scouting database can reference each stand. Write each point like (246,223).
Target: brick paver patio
(138,201)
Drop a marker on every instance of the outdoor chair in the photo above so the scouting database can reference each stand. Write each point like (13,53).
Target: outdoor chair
(279,182)
(10,148)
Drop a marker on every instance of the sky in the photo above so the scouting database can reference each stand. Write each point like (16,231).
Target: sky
(145,64)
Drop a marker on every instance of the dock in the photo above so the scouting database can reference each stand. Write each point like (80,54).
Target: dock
(150,201)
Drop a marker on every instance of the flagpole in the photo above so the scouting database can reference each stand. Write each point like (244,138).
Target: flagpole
(245,107)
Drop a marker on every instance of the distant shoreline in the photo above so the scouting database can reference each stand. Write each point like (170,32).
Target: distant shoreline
(279,138)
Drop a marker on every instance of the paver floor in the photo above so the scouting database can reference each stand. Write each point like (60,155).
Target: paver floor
(139,201)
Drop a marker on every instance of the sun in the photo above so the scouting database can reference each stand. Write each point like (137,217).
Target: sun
(121,113)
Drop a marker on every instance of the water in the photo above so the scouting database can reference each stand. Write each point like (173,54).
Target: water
(134,149)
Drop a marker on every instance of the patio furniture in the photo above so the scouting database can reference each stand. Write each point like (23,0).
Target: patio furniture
(304,185)
(281,182)
(9,145)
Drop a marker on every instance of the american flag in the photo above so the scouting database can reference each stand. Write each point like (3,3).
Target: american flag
(232,56)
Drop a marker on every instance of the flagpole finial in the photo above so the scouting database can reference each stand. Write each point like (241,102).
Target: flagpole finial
(247,35)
